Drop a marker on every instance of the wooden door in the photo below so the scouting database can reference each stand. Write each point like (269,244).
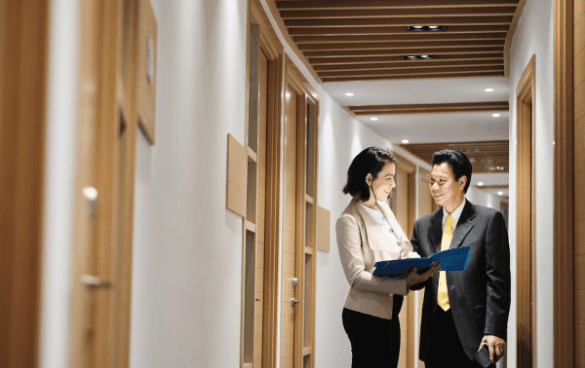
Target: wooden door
(291,293)
(104,185)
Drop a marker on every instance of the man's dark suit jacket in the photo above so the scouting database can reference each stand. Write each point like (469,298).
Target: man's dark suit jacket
(480,295)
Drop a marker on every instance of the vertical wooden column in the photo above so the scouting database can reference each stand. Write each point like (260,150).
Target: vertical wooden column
(24,27)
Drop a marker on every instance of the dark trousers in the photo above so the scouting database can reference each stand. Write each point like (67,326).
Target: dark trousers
(375,342)
(446,349)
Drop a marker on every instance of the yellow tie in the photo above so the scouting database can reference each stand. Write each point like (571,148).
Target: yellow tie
(443,295)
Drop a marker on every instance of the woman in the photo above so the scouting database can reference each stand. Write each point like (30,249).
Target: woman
(368,232)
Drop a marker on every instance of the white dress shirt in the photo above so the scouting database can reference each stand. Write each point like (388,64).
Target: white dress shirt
(456,214)
(381,220)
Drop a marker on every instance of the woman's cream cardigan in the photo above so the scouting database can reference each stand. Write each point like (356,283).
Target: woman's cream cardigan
(362,243)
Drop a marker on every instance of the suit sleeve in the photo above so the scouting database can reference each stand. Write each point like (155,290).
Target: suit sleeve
(350,252)
(497,260)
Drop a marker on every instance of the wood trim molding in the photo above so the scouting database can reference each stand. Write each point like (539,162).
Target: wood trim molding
(429,108)
(274,51)
(563,217)
(388,4)
(23,52)
(525,222)
(510,36)
(298,80)
(492,186)
(280,23)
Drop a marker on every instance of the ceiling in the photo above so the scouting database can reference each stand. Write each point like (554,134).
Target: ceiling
(355,47)
(485,157)
(349,40)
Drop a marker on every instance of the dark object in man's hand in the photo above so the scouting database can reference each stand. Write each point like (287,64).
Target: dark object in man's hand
(483,357)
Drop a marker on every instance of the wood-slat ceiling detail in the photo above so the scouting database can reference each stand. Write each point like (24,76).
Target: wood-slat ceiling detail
(429,108)
(360,40)
(485,156)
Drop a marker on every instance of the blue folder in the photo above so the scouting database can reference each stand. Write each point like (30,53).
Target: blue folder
(451,260)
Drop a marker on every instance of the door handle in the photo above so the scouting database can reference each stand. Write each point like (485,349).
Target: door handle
(92,281)
(295,301)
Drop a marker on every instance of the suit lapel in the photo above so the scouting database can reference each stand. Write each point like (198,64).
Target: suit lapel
(436,229)
(464,225)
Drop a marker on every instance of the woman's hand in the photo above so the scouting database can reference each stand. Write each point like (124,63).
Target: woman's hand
(414,278)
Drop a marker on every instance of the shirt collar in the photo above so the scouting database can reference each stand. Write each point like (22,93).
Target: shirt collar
(456,214)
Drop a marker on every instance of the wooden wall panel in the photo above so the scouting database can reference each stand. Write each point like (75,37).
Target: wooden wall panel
(237,163)
(323,229)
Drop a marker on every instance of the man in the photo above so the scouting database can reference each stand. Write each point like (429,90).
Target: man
(465,310)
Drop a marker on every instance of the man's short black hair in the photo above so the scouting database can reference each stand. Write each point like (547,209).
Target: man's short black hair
(459,163)
(369,161)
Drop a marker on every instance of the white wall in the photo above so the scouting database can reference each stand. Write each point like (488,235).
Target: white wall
(482,198)
(187,247)
(534,36)
(59,179)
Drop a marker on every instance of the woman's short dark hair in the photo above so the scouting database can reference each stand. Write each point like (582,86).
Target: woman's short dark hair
(369,161)
(459,163)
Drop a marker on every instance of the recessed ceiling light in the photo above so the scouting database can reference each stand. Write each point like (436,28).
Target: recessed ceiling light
(500,193)
(349,94)
(288,95)
(426,28)
(480,183)
(500,168)
(405,141)
(489,89)
(374,119)
(418,57)
(496,115)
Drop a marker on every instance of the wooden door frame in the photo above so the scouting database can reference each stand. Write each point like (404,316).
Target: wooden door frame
(410,168)
(525,214)
(274,51)
(24,45)
(563,217)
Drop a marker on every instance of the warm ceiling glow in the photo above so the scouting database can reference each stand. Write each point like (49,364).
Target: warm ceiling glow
(489,89)
(349,94)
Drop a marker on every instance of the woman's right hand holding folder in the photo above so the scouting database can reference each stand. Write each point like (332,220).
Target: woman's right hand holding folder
(415,278)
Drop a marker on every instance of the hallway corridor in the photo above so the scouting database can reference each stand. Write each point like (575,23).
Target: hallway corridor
(171,171)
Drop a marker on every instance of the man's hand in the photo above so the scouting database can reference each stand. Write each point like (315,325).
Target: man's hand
(414,278)
(496,347)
